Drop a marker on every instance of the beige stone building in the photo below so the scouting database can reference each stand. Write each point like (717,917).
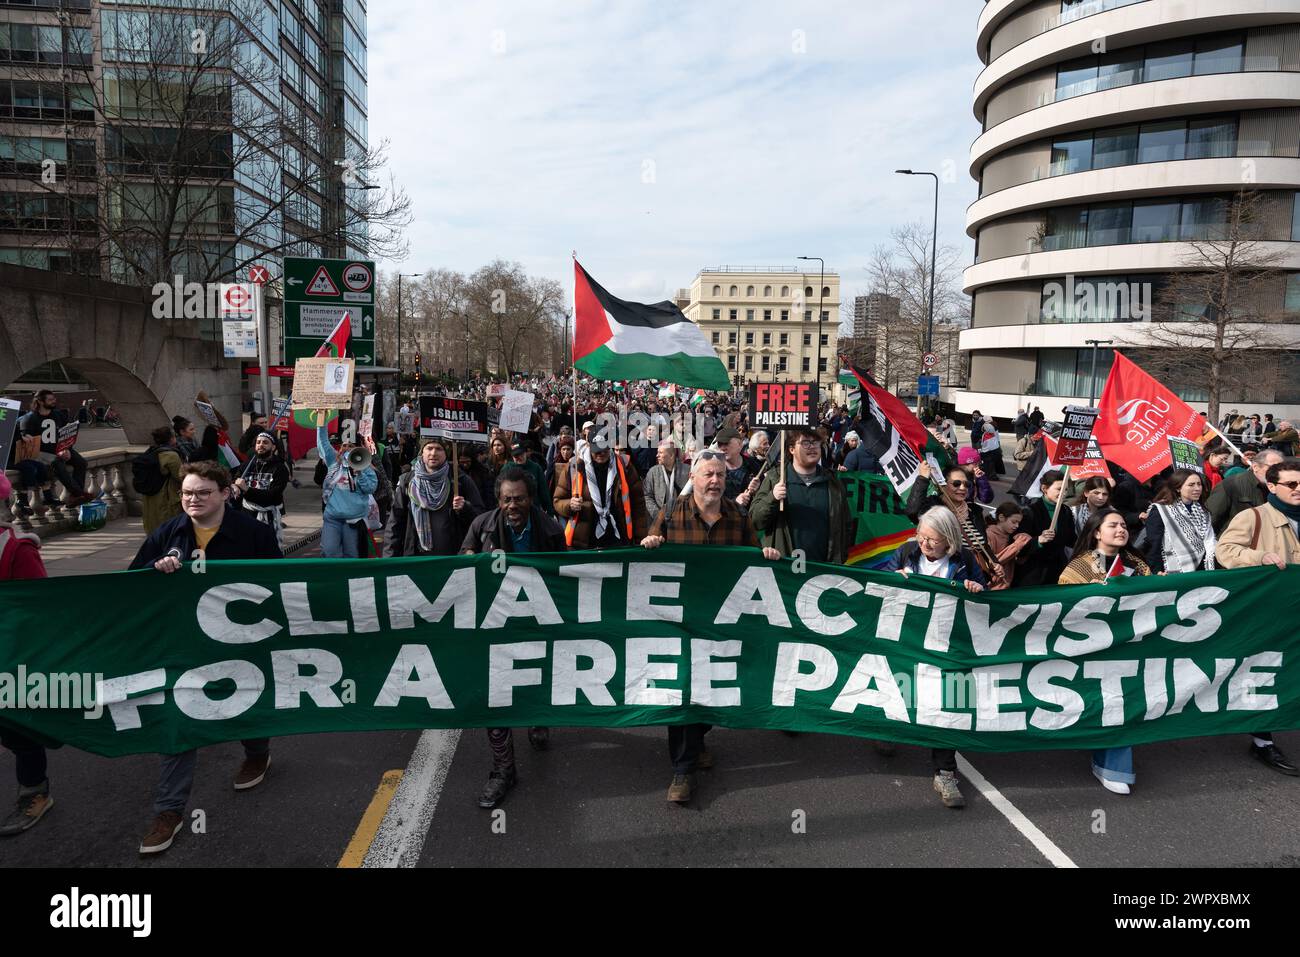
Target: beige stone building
(763,322)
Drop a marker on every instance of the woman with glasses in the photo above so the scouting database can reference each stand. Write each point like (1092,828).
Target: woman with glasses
(1101,553)
(956,496)
(938,552)
(1180,533)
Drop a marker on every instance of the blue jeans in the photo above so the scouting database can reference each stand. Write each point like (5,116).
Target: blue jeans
(1115,764)
(338,539)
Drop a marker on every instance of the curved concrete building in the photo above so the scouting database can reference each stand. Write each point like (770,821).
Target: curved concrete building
(1115,132)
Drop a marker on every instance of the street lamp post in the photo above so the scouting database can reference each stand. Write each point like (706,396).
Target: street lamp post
(934,253)
(821,298)
(466,317)
(400,275)
(1092,377)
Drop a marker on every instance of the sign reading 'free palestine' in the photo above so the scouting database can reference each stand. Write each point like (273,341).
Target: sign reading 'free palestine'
(714,635)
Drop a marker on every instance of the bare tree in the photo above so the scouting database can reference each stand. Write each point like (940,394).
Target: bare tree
(203,165)
(1214,322)
(901,268)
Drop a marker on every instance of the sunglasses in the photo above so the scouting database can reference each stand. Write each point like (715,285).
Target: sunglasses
(1291,485)
(958,483)
(706,456)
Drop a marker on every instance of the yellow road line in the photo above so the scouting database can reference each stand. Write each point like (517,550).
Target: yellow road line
(370,821)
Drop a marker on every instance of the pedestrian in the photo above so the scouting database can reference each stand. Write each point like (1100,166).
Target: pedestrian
(816,518)
(256,427)
(1268,534)
(1102,552)
(68,467)
(1009,545)
(601,499)
(1021,425)
(1243,491)
(1092,496)
(1283,438)
(346,495)
(979,489)
(1036,420)
(187,439)
(1180,536)
(1253,433)
(1217,459)
(705,517)
(517,525)
(990,448)
(520,456)
(217,533)
(742,471)
(429,517)
(1049,552)
(20,559)
(260,486)
(937,552)
(665,481)
(156,475)
(955,495)
(858,458)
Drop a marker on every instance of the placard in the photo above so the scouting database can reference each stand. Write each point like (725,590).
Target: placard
(1187,454)
(1076,433)
(10,412)
(405,423)
(516,411)
(324,383)
(458,419)
(67,437)
(782,405)
(208,413)
(367,426)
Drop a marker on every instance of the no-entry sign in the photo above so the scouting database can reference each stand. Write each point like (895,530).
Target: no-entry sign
(782,405)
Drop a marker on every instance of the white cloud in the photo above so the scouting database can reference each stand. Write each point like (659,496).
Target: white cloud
(657,139)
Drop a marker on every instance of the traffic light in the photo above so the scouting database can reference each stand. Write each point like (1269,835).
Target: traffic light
(417,367)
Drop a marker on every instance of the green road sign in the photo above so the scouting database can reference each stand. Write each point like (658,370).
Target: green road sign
(317,292)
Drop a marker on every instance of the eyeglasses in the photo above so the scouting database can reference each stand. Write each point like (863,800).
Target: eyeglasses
(514,499)
(958,483)
(939,542)
(201,493)
(809,444)
(1291,485)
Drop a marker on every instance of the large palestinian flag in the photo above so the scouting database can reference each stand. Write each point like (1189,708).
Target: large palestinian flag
(614,339)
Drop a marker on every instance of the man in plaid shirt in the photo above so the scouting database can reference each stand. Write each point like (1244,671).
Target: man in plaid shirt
(704,517)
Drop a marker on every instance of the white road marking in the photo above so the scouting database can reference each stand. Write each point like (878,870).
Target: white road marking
(1056,856)
(400,837)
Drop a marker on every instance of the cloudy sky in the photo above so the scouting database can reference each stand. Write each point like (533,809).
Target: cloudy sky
(659,138)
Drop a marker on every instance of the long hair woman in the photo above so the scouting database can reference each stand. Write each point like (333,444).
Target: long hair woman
(1180,534)
(1093,496)
(1102,552)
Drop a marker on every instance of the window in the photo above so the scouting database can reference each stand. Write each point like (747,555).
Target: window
(1204,218)
(717,290)
(780,364)
(1115,147)
(807,315)
(826,291)
(731,338)
(1167,61)
(749,338)
(821,364)
(1121,68)
(767,363)
(1109,225)
(808,291)
(749,363)
(785,291)
(717,337)
(1064,372)
(733,291)
(1066,228)
(767,338)
(767,292)
(1218,55)
(749,292)
(1211,138)
(825,316)
(731,363)
(784,339)
(734,313)
(1162,142)
(785,315)
(717,313)
(767,315)
(807,364)
(1295,219)
(825,340)
(749,314)
(1156,222)
(1071,156)
(807,339)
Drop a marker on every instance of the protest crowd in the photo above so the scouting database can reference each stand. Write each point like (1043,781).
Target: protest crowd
(689,470)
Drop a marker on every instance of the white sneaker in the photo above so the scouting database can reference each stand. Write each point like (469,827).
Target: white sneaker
(1115,787)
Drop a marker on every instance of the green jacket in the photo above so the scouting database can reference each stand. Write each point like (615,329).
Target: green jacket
(773,525)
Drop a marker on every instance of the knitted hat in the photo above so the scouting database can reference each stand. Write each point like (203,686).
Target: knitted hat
(967,456)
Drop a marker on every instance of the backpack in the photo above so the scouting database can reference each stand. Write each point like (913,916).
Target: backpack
(146,472)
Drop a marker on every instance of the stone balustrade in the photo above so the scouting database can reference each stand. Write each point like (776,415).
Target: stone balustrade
(108,477)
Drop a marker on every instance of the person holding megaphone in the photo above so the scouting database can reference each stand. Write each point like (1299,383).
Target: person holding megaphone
(349,483)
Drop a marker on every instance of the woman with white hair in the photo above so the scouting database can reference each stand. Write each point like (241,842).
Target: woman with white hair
(937,551)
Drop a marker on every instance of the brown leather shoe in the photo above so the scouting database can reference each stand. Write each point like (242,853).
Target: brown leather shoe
(252,771)
(32,805)
(165,828)
(679,792)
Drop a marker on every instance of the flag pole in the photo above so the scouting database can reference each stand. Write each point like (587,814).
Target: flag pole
(572,357)
(1226,441)
(455,470)
(1060,501)
(783,468)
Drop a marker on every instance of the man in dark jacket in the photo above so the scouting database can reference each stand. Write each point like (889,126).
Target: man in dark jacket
(218,533)
(429,516)
(1242,491)
(1021,425)
(45,420)
(517,524)
(816,515)
(260,488)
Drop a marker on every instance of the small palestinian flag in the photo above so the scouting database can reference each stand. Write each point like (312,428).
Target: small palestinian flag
(615,339)
(1118,569)
(894,435)
(697,399)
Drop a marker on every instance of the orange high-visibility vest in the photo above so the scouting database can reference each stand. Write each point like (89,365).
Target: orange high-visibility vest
(576,475)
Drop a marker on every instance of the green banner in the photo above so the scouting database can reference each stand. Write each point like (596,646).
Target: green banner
(222,651)
(881,519)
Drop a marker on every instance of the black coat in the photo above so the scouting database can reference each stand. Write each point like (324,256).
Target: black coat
(449,526)
(487,533)
(240,537)
(1046,562)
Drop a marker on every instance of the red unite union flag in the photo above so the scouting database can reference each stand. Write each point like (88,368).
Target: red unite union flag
(1138,415)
